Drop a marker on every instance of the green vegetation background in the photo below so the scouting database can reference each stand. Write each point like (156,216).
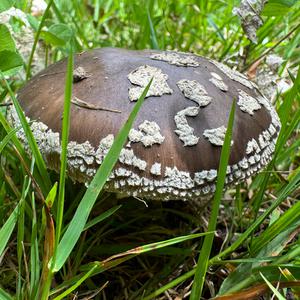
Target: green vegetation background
(49,248)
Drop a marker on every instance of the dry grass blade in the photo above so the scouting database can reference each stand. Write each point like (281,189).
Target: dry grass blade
(257,291)
(157,245)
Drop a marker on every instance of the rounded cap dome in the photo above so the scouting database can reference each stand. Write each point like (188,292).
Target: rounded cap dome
(174,146)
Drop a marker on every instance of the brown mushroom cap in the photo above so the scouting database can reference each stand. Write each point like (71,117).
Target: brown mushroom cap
(175,144)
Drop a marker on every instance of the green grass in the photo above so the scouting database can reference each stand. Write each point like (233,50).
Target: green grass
(62,241)
(203,259)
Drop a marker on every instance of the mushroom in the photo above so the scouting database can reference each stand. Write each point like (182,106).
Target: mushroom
(174,147)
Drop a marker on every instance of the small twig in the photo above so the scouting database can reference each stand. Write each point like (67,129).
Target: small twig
(272,48)
(141,200)
(86,105)
(50,74)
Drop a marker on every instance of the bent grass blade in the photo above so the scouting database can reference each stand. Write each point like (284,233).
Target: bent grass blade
(115,260)
(81,215)
(203,260)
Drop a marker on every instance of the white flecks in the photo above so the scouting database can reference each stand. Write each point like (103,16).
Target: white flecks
(266,136)
(237,174)
(252,146)
(272,130)
(206,190)
(85,151)
(178,59)
(211,175)
(234,167)
(200,177)
(141,76)
(232,74)
(216,76)
(218,81)
(243,163)
(193,90)
(228,169)
(257,157)
(90,172)
(103,148)
(135,136)
(178,179)
(247,103)
(251,160)
(171,186)
(262,141)
(127,157)
(184,130)
(148,134)
(175,184)
(156,169)
(216,135)
(39,126)
(122,172)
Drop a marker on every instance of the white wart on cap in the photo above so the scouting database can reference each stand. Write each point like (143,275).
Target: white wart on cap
(174,147)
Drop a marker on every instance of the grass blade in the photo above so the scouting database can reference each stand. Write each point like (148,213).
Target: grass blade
(275,292)
(8,227)
(170,285)
(206,248)
(102,217)
(7,138)
(49,235)
(20,236)
(100,268)
(235,282)
(292,185)
(14,139)
(64,145)
(153,37)
(78,222)
(285,132)
(36,39)
(256,291)
(158,245)
(5,296)
(286,220)
(77,284)
(34,253)
(2,197)
(117,259)
(30,138)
